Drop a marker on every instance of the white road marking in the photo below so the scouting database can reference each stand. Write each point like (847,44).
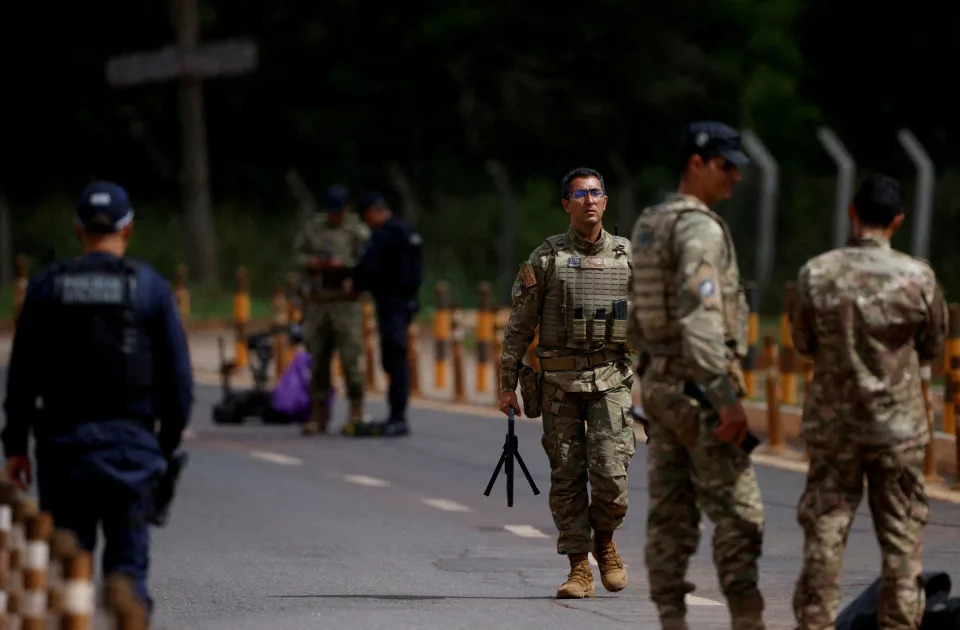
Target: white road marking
(693,600)
(447,505)
(525,531)
(276,458)
(363,480)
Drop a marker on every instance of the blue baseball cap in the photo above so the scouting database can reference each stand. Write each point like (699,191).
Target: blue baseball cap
(104,207)
(709,138)
(337,198)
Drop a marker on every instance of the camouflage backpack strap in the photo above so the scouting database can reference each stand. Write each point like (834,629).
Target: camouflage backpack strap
(686,207)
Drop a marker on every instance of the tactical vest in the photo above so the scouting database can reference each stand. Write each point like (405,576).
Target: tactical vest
(655,269)
(585,304)
(102,356)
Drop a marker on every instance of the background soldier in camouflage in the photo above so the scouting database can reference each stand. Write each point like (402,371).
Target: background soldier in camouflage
(688,317)
(326,250)
(868,314)
(574,286)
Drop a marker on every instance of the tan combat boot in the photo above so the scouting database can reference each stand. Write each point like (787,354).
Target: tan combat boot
(579,583)
(317,422)
(613,575)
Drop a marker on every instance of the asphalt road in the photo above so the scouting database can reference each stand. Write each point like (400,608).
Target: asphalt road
(272,530)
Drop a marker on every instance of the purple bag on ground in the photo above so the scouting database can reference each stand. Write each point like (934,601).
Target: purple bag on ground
(291,395)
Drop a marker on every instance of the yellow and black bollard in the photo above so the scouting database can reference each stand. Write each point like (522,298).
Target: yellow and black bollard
(441,333)
(241,317)
(773,394)
(370,364)
(281,345)
(456,338)
(788,363)
(753,334)
(485,331)
(951,397)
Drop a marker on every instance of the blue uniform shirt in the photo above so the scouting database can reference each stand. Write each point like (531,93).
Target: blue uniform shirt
(391,263)
(172,393)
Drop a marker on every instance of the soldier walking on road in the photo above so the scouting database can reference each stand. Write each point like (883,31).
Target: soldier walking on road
(688,319)
(326,250)
(868,315)
(574,287)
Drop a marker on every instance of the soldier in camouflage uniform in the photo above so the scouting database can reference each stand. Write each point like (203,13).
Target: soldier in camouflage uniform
(868,315)
(688,319)
(574,287)
(326,251)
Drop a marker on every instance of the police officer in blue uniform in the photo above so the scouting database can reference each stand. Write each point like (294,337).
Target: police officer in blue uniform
(99,356)
(391,269)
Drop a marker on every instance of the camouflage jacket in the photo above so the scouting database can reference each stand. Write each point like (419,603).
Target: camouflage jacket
(317,238)
(535,278)
(868,315)
(687,303)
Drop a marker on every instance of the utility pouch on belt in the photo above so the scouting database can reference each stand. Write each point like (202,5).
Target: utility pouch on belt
(619,332)
(530,391)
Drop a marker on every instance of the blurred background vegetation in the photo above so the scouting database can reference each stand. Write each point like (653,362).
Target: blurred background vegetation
(419,99)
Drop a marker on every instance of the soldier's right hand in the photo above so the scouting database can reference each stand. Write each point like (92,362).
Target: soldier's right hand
(507,400)
(733,425)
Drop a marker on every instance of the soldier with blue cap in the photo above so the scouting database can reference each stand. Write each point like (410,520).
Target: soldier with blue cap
(99,357)
(688,320)
(391,269)
(326,252)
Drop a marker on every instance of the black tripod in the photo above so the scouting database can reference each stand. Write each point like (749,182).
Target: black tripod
(509,453)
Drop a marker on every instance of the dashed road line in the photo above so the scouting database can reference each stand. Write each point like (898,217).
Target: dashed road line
(693,600)
(276,458)
(363,480)
(525,531)
(447,505)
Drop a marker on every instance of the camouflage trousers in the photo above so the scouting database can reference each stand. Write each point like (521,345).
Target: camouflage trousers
(898,504)
(329,326)
(587,436)
(689,469)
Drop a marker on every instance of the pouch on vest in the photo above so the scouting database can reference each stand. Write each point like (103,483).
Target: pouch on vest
(618,333)
(530,391)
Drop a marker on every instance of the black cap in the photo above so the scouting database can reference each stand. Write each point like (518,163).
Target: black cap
(103,207)
(337,198)
(370,200)
(710,138)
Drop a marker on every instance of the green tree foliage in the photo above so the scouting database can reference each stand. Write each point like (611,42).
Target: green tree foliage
(355,93)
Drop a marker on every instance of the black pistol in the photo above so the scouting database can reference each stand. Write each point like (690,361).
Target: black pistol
(165,489)
(691,389)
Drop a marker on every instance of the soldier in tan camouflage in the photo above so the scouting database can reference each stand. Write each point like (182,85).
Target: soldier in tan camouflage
(688,320)
(574,287)
(869,315)
(326,250)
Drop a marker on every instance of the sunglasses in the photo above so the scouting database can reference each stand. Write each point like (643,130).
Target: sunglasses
(580,194)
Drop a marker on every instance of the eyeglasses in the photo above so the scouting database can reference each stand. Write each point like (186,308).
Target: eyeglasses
(580,194)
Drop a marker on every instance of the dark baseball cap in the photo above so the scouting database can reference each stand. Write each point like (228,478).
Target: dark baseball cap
(710,138)
(337,198)
(104,207)
(371,200)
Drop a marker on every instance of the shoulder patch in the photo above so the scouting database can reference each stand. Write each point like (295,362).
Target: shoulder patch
(527,275)
(557,241)
(707,288)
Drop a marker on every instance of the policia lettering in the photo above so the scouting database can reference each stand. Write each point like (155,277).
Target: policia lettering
(585,307)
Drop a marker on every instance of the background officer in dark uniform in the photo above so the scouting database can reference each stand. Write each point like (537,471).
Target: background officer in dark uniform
(100,344)
(391,269)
